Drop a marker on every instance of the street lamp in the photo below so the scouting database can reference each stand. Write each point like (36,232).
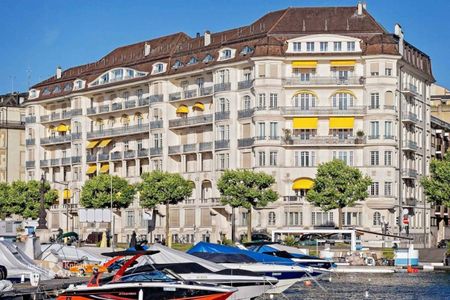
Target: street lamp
(42,224)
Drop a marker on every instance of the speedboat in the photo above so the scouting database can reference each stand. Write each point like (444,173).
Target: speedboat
(285,270)
(146,285)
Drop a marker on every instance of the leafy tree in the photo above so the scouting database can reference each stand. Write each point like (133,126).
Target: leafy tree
(248,189)
(166,188)
(96,192)
(23,198)
(4,199)
(337,186)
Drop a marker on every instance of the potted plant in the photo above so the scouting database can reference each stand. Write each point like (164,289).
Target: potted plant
(359,137)
(287,137)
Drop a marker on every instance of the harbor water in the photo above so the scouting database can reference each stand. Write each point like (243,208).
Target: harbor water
(425,285)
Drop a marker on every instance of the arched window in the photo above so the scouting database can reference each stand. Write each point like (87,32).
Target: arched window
(247,103)
(139,119)
(342,100)
(305,100)
(99,123)
(272,218)
(111,122)
(125,120)
(376,218)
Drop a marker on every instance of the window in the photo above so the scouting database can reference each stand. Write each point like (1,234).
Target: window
(345,156)
(244,218)
(351,46)
(337,46)
(293,218)
(374,158)
(130,219)
(388,71)
(223,76)
(376,219)
(323,46)
(139,94)
(208,58)
(57,90)
(126,96)
(319,218)
(46,92)
(305,101)
(261,159)
(272,219)
(226,54)
(374,101)
(158,68)
(247,105)
(374,129)
(117,74)
(273,158)
(388,158)
(192,61)
(261,101)
(78,84)
(297,46)
(273,126)
(273,101)
(305,158)
(223,132)
(247,50)
(178,64)
(224,105)
(388,130)
(304,134)
(374,189)
(310,46)
(342,101)
(157,140)
(388,188)
(261,130)
(223,161)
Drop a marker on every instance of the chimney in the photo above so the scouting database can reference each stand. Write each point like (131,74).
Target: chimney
(399,33)
(207,38)
(197,35)
(58,72)
(147,49)
(364,4)
(360,9)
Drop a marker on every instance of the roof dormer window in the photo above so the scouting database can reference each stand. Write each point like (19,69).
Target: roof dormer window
(178,64)
(68,87)
(192,61)
(208,58)
(297,46)
(56,90)
(337,46)
(78,84)
(247,50)
(117,74)
(32,94)
(45,92)
(159,68)
(226,54)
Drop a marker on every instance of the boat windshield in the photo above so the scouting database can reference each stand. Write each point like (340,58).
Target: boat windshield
(150,276)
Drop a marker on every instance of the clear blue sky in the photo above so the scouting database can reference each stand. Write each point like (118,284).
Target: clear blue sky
(37,36)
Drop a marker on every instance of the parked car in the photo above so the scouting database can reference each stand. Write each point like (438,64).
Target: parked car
(443,243)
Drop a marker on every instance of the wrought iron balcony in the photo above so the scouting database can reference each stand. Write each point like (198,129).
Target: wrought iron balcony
(190,121)
(129,154)
(76,136)
(373,137)
(246,84)
(222,144)
(76,112)
(205,91)
(116,155)
(155,151)
(409,117)
(56,139)
(66,161)
(116,106)
(30,164)
(246,113)
(389,137)
(175,96)
(144,101)
(409,145)
(410,90)
(30,142)
(324,80)
(142,152)
(156,98)
(190,94)
(156,124)
(246,142)
(103,156)
(205,146)
(190,148)
(222,115)
(30,119)
(174,149)
(103,108)
(76,159)
(91,158)
(325,140)
(130,104)
(124,130)
(409,173)
(322,110)
(54,161)
(220,87)
(44,162)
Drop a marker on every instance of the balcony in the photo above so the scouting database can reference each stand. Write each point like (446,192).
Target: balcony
(76,159)
(30,142)
(221,87)
(205,146)
(130,104)
(76,136)
(246,113)
(191,121)
(156,151)
(116,106)
(54,161)
(124,130)
(56,139)
(373,137)
(189,148)
(410,90)
(142,153)
(246,142)
(409,173)
(222,144)
(222,115)
(44,163)
(325,140)
(190,94)
(409,117)
(30,119)
(174,149)
(156,98)
(410,201)
(91,158)
(206,91)
(129,154)
(409,145)
(116,155)
(322,110)
(66,161)
(30,164)
(175,96)
(144,101)
(246,84)
(323,80)
(54,116)
(103,156)
(156,124)
(389,137)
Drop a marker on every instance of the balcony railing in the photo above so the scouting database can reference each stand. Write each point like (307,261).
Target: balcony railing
(373,137)
(222,115)
(30,164)
(76,135)
(142,152)
(103,156)
(155,151)
(116,106)
(409,173)
(61,116)
(321,140)
(410,89)
(246,142)
(246,113)
(410,145)
(156,98)
(91,158)
(130,104)
(246,84)
(220,87)
(190,148)
(56,140)
(129,154)
(44,162)
(190,94)
(66,160)
(205,91)
(322,110)
(30,119)
(118,131)
(197,120)
(175,96)
(409,117)
(324,80)
(116,155)
(174,149)
(205,146)
(76,159)
(144,101)
(389,137)
(30,142)
(222,144)
(156,124)
(54,161)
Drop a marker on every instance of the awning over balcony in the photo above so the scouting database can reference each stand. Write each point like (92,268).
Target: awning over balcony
(62,128)
(92,144)
(104,143)
(304,64)
(342,123)
(104,168)
(343,63)
(199,106)
(182,109)
(92,169)
(66,194)
(302,184)
(305,123)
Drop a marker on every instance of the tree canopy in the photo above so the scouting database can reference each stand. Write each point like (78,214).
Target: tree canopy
(437,185)
(23,198)
(248,189)
(96,192)
(338,185)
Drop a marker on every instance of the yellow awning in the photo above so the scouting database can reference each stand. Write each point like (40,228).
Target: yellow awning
(66,194)
(62,128)
(305,123)
(302,184)
(104,168)
(342,123)
(104,143)
(199,106)
(304,64)
(92,144)
(182,109)
(343,63)
(91,169)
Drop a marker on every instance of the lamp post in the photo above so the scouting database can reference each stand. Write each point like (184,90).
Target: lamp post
(42,224)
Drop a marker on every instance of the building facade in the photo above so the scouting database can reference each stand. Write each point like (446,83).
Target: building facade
(12,137)
(297,88)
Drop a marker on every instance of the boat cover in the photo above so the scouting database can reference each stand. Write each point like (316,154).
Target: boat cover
(231,254)
(290,252)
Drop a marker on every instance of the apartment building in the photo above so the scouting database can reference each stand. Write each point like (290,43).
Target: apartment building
(296,88)
(12,137)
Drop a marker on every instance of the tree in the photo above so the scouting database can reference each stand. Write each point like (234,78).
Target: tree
(4,199)
(166,188)
(248,189)
(96,192)
(23,198)
(337,186)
